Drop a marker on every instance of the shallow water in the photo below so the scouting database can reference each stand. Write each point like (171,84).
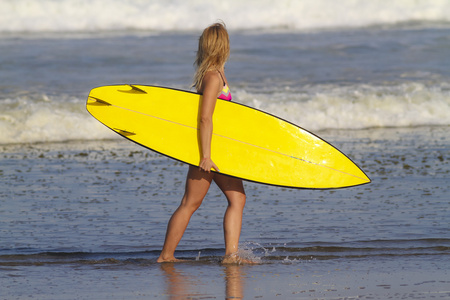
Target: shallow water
(115,197)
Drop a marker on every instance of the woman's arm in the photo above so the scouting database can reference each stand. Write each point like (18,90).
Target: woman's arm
(211,88)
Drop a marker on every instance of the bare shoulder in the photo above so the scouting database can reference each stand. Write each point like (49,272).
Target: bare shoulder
(212,75)
(211,81)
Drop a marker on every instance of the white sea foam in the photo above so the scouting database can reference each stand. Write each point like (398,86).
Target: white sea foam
(360,106)
(53,119)
(163,15)
(48,120)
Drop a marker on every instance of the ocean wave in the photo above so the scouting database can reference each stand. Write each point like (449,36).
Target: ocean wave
(180,15)
(359,106)
(63,118)
(48,119)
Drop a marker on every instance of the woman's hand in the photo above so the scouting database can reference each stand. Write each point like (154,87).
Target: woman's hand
(207,164)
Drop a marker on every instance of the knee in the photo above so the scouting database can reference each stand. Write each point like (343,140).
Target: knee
(190,205)
(237,201)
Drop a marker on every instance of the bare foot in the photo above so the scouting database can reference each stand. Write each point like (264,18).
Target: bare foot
(169,260)
(237,260)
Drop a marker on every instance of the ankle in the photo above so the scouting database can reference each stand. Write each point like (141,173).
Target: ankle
(165,258)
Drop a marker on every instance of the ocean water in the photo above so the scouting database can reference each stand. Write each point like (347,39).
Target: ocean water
(83,212)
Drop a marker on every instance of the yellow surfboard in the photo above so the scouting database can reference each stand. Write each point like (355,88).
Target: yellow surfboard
(246,143)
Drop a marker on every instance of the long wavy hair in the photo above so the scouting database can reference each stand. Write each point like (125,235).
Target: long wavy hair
(213,51)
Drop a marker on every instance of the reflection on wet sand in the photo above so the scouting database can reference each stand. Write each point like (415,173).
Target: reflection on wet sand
(234,282)
(180,284)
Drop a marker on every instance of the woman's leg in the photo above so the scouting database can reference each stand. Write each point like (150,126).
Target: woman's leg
(233,189)
(197,185)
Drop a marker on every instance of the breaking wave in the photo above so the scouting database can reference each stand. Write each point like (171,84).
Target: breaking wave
(61,118)
(181,15)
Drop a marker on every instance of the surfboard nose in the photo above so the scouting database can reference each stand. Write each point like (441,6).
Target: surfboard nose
(362,179)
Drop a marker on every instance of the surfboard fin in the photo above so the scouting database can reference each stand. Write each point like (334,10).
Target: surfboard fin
(134,90)
(124,132)
(97,102)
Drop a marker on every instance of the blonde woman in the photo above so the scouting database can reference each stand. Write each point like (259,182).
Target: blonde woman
(210,81)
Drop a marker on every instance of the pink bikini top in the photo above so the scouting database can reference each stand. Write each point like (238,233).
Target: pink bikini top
(225,94)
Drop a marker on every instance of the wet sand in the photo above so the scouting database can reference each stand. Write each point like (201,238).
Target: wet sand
(355,279)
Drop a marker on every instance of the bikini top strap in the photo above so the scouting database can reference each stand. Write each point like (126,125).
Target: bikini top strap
(220,73)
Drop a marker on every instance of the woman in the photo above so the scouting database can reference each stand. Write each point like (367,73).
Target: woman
(210,81)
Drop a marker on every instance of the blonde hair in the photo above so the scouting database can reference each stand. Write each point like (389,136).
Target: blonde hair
(213,51)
